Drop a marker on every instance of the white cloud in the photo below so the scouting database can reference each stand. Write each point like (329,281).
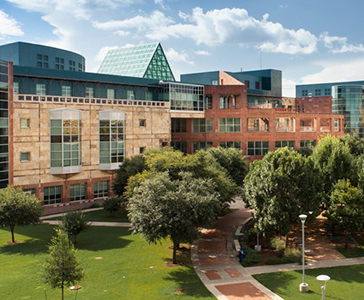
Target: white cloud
(335,70)
(218,27)
(338,44)
(202,52)
(182,57)
(288,87)
(9,26)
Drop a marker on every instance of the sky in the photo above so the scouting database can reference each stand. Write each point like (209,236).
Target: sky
(310,41)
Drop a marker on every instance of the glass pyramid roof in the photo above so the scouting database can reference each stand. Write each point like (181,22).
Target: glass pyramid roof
(144,61)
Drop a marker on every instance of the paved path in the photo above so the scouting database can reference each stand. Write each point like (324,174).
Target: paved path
(216,263)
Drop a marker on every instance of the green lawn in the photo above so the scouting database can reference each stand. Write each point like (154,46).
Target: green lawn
(129,268)
(354,252)
(346,283)
(104,216)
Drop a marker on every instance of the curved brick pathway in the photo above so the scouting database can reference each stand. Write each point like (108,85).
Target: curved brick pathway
(218,267)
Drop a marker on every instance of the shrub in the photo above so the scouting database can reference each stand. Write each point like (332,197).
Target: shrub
(252,257)
(112,204)
(279,245)
(74,222)
(291,256)
(95,205)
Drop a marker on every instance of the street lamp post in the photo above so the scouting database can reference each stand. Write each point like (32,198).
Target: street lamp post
(323,279)
(258,247)
(303,285)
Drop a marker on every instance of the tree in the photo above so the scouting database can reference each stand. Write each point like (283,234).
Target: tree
(233,161)
(61,268)
(279,188)
(346,209)
(112,204)
(333,161)
(18,209)
(163,208)
(354,142)
(128,168)
(74,222)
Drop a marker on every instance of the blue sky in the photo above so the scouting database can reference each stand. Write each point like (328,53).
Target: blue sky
(310,41)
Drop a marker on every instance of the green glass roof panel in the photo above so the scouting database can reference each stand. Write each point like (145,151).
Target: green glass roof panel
(159,67)
(130,61)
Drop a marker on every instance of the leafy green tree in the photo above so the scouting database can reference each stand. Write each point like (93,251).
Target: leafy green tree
(354,142)
(18,209)
(279,188)
(61,268)
(233,161)
(112,204)
(128,168)
(161,208)
(74,222)
(333,161)
(346,210)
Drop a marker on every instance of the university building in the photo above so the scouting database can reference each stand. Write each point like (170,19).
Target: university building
(65,131)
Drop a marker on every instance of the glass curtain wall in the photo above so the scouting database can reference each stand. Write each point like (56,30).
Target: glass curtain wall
(4,125)
(348,100)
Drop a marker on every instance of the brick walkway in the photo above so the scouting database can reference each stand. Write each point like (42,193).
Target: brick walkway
(217,265)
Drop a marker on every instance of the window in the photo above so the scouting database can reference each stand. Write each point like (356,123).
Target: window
(77,191)
(141,150)
(149,96)
(336,125)
(52,195)
(327,92)
(101,189)
(181,146)
(201,145)
(298,108)
(66,91)
(130,95)
(46,65)
(258,124)
(230,145)
(208,102)
(202,125)
(258,148)
(110,94)
(16,88)
(214,82)
(304,93)
(178,125)
(39,64)
(307,143)
(142,122)
(41,89)
(317,92)
(112,139)
(39,56)
(25,156)
(89,92)
(282,144)
(257,85)
(224,103)
(24,123)
(57,59)
(303,108)
(247,83)
(29,191)
(229,125)
(65,141)
(45,57)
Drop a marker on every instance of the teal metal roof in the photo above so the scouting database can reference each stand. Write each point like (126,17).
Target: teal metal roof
(144,61)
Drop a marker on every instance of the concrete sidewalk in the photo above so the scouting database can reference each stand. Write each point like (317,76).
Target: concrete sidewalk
(216,263)
(109,224)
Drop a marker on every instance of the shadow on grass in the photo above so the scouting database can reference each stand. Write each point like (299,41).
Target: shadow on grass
(34,239)
(188,281)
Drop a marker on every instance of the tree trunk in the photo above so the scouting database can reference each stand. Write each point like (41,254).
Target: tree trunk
(62,287)
(174,252)
(12,234)
(286,241)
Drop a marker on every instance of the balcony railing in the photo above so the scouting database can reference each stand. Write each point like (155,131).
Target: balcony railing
(96,101)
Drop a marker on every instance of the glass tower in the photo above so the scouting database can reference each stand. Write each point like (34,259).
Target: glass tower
(349,101)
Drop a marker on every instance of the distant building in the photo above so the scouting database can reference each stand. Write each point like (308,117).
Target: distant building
(347,100)
(64,132)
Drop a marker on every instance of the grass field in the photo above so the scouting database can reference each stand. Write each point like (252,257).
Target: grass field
(346,283)
(117,265)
